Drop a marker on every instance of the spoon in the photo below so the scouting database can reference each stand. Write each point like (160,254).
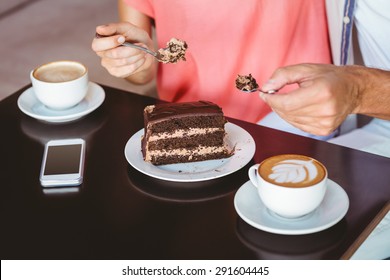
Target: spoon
(157,55)
(272,91)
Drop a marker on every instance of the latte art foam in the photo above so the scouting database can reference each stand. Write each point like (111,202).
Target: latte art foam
(293,171)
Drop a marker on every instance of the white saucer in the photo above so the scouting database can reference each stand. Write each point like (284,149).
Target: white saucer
(31,106)
(236,136)
(251,209)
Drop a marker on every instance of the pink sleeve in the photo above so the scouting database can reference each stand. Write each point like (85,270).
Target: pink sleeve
(144,6)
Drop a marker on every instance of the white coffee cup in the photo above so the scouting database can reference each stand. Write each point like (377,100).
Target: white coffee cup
(290,185)
(60,84)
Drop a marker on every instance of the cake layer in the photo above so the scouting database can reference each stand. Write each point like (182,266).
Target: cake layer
(184,133)
(211,139)
(184,155)
(186,122)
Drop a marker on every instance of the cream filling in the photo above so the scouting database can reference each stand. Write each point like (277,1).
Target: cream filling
(201,150)
(183,132)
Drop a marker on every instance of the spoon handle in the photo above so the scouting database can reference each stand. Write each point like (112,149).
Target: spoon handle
(127,44)
(272,91)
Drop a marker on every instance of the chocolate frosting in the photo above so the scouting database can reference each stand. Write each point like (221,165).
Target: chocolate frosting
(167,110)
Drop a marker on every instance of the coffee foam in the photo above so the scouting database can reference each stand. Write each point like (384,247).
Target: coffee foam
(292,171)
(59,72)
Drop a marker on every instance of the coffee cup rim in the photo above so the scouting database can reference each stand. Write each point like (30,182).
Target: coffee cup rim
(59,61)
(300,155)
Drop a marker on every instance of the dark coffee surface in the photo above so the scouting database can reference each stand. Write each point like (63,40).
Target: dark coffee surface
(120,213)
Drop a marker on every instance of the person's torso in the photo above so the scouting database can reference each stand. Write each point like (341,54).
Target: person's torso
(226,38)
(372,19)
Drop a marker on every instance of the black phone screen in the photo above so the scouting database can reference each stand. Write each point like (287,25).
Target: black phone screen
(63,159)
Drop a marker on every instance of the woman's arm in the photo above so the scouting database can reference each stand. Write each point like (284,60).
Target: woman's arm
(125,62)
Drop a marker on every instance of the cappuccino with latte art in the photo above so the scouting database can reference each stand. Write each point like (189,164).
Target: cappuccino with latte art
(290,185)
(292,171)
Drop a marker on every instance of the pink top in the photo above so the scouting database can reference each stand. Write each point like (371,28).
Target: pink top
(230,37)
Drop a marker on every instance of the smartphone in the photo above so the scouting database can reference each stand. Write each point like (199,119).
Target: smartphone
(63,163)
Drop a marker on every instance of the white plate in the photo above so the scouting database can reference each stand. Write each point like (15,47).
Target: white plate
(31,106)
(196,171)
(251,209)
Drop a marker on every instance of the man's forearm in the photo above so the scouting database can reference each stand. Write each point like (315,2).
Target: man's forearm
(374,92)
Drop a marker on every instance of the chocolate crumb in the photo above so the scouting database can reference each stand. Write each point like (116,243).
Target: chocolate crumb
(175,51)
(246,83)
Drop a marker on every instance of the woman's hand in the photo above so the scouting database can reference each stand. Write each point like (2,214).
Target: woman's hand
(121,61)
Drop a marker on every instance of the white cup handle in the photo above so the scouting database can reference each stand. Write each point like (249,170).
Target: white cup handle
(252,173)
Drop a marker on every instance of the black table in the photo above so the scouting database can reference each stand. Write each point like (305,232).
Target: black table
(120,213)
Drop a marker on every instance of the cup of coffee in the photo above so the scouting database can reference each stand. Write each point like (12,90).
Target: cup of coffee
(60,84)
(290,185)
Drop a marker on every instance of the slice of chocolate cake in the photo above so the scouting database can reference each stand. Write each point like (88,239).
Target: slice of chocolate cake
(184,132)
